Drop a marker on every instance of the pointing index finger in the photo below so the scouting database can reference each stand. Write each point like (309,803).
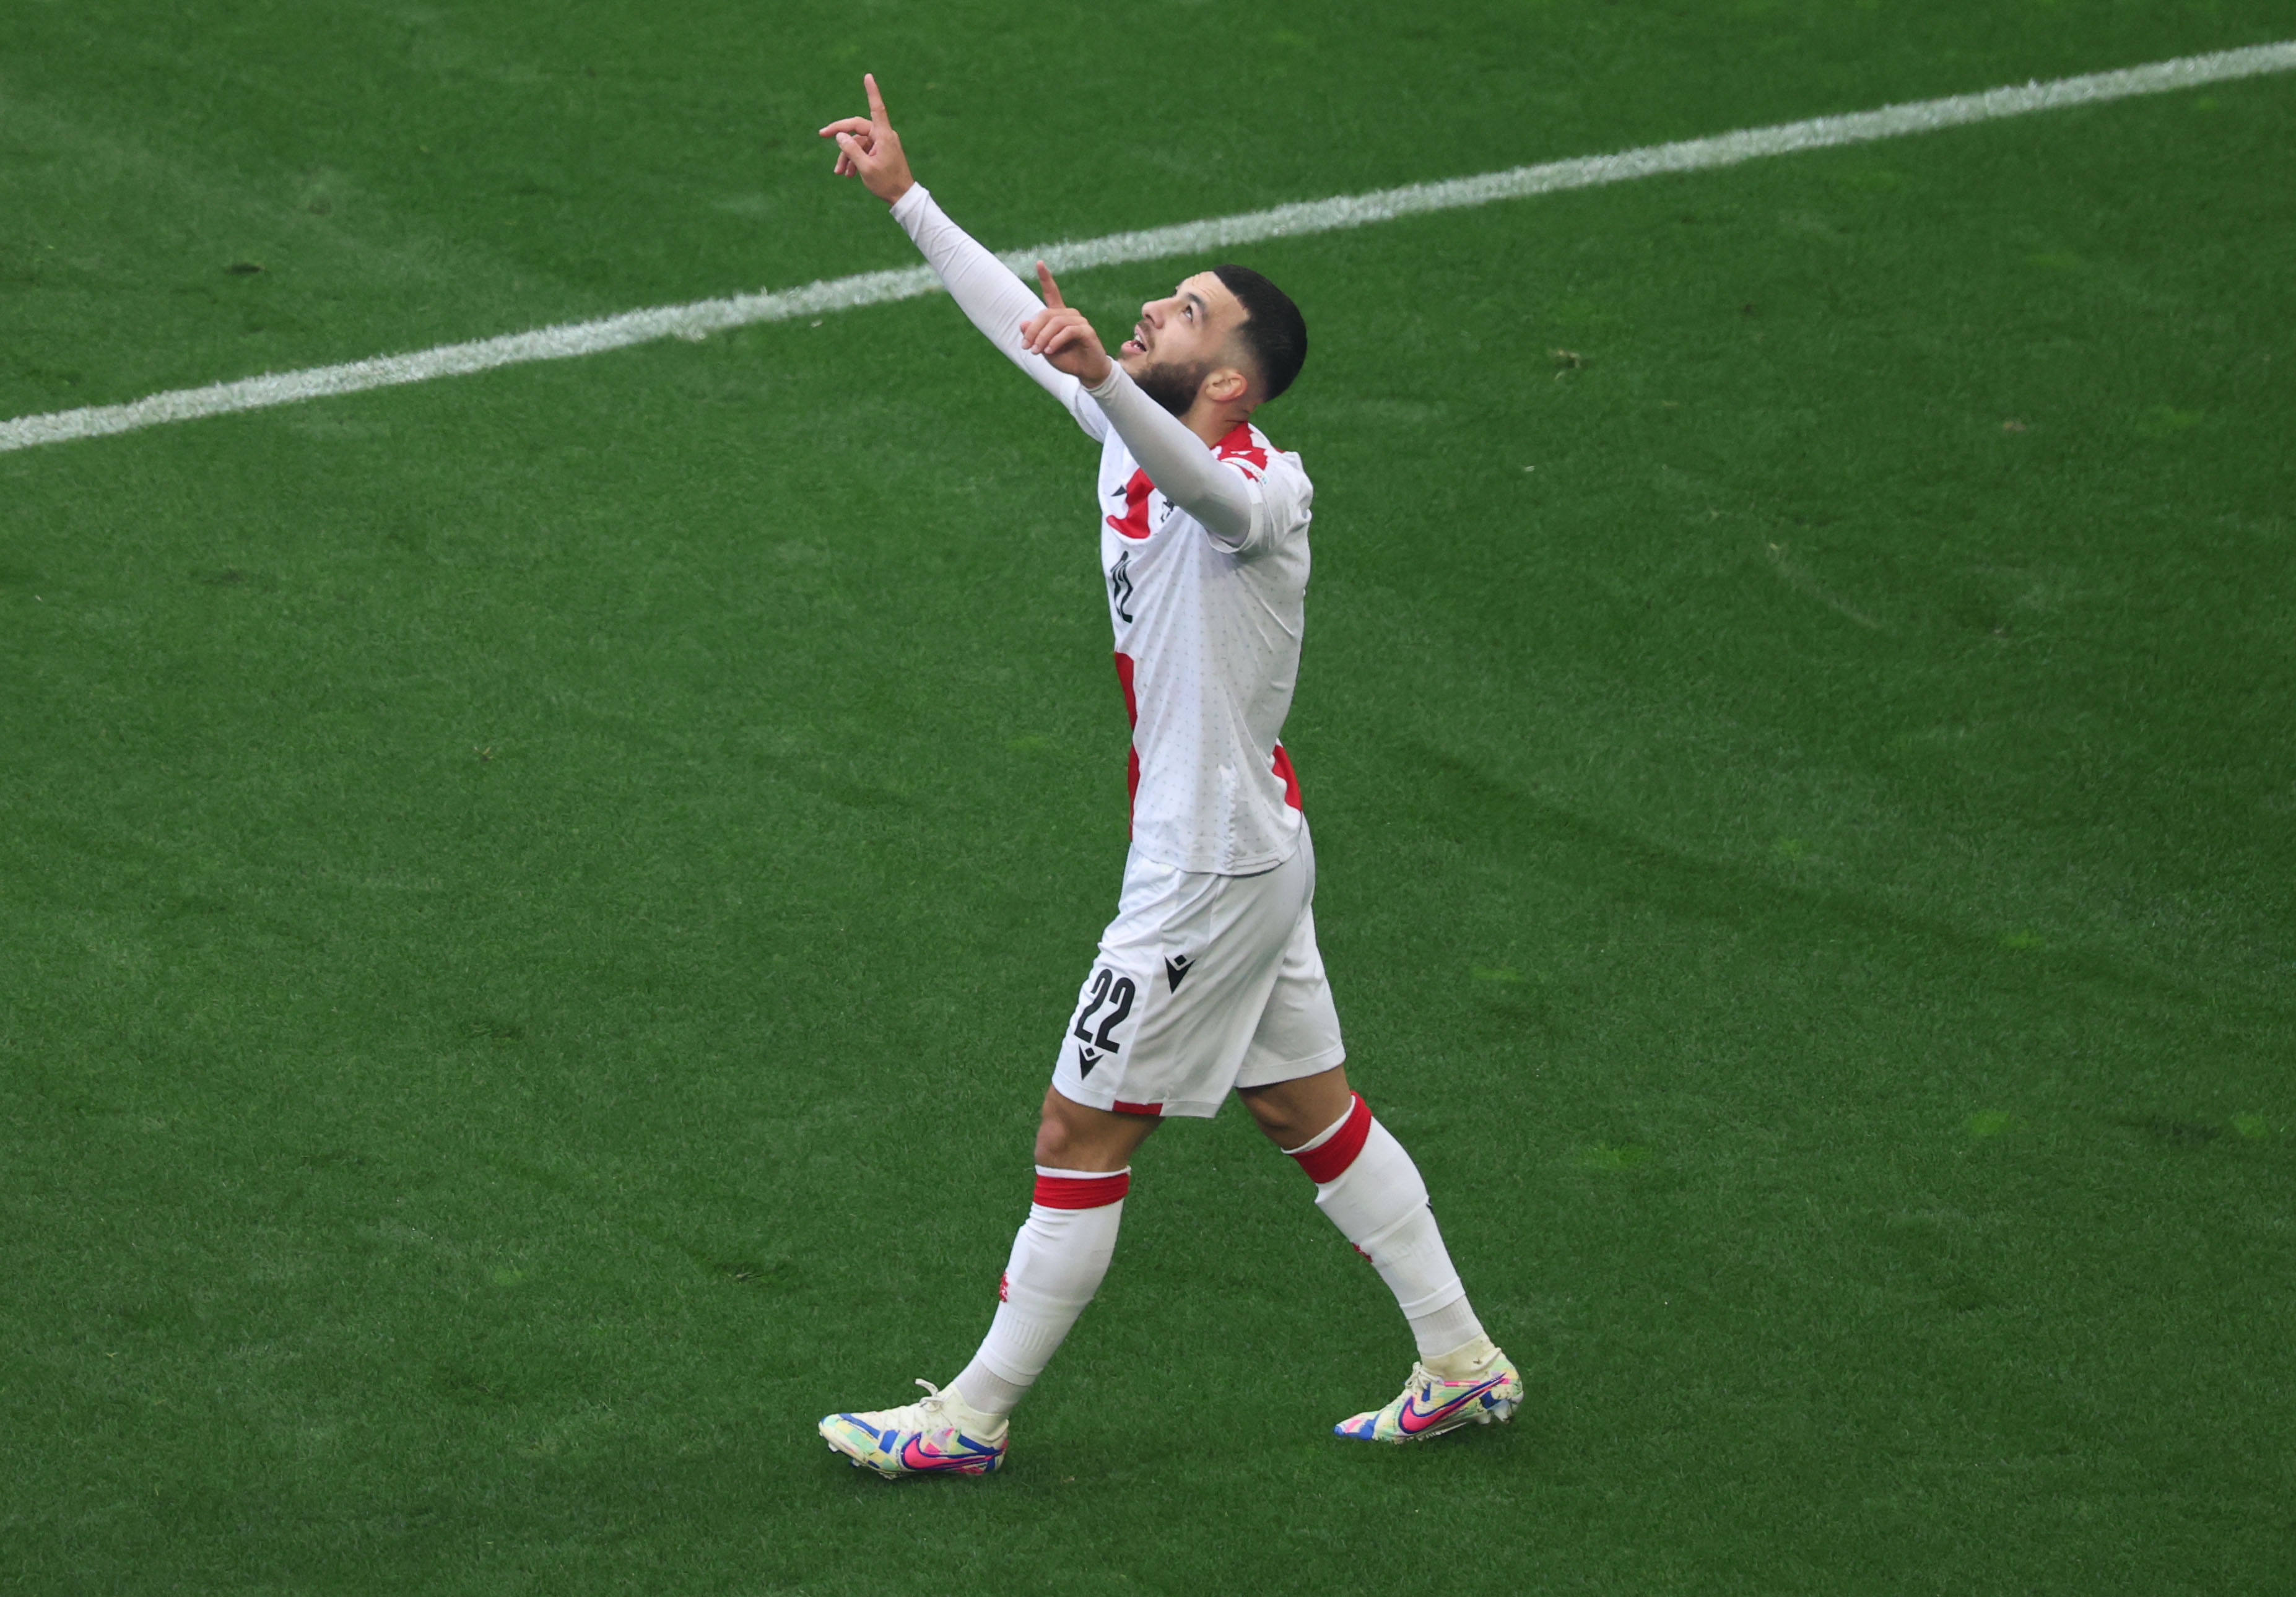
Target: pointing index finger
(1053,300)
(877,112)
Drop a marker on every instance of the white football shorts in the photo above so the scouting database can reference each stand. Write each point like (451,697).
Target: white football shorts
(1204,983)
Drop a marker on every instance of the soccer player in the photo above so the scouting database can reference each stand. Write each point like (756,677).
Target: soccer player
(1208,980)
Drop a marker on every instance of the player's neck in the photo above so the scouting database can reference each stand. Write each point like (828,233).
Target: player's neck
(1212,422)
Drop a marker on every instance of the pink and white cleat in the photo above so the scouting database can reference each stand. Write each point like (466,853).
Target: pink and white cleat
(1431,1406)
(918,1438)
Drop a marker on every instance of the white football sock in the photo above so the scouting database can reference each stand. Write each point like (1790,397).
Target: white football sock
(1466,1362)
(1368,1186)
(1057,1263)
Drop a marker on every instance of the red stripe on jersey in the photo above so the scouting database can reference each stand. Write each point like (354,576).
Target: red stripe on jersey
(1283,768)
(1124,680)
(1329,1162)
(1133,522)
(1070,1191)
(1132,716)
(1239,446)
(1122,1108)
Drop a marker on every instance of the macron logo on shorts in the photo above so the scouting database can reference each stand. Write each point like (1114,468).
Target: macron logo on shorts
(1176,968)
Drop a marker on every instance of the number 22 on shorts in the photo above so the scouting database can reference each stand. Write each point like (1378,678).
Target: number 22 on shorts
(1106,1004)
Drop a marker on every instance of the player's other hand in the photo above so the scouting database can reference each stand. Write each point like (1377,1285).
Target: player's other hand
(868,148)
(1063,337)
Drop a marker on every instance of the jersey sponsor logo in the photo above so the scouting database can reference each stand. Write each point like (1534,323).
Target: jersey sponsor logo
(1119,585)
(1133,522)
(1175,970)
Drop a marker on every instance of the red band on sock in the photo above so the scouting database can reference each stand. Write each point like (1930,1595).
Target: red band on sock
(1095,1192)
(1331,1161)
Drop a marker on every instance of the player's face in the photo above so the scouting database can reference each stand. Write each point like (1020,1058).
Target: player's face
(1186,332)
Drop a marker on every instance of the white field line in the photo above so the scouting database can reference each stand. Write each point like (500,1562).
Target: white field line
(706,316)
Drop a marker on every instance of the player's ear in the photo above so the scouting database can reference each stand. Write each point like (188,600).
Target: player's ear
(1226,385)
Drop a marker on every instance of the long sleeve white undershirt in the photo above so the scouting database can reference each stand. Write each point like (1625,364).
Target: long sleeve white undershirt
(1176,460)
(993,297)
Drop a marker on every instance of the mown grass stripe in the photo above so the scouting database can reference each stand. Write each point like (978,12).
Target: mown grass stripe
(702,318)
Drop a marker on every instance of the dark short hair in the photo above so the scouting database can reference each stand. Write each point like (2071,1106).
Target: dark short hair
(1274,333)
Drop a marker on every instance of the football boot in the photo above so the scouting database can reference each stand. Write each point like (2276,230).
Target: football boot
(1431,1406)
(917,1438)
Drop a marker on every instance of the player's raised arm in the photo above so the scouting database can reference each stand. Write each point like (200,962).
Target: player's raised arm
(996,300)
(1183,468)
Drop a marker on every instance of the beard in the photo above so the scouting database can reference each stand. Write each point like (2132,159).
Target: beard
(1172,385)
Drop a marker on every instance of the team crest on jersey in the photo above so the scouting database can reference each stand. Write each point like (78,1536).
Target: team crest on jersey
(1119,585)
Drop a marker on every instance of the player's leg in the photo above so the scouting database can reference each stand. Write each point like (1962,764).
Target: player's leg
(1160,1029)
(1083,1170)
(1372,1191)
(1122,1064)
(1083,1158)
(1367,1183)
(1296,1087)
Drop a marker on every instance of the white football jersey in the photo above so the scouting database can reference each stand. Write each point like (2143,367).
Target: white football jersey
(1208,651)
(1207,628)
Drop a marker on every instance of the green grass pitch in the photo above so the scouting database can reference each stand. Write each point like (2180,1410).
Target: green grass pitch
(534,909)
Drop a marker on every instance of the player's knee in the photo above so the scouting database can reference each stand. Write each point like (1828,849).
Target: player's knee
(1072,1136)
(1066,1136)
(1292,1112)
(1279,1122)
(1056,1140)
